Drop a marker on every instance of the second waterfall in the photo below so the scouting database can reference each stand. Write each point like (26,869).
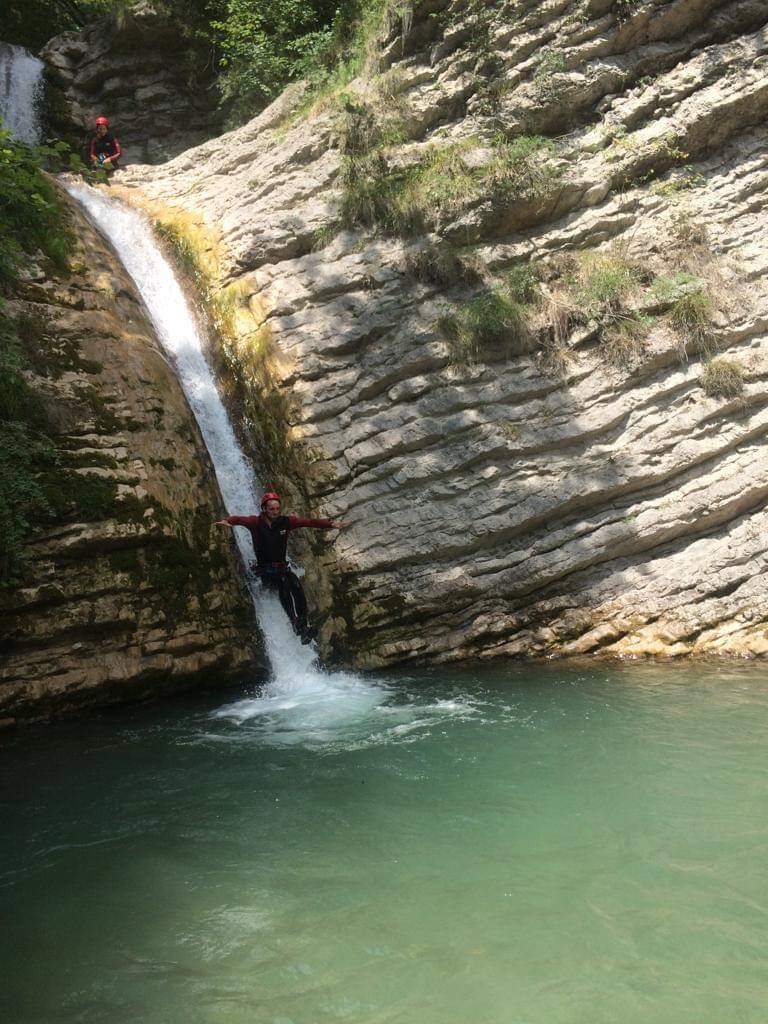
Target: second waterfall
(297,685)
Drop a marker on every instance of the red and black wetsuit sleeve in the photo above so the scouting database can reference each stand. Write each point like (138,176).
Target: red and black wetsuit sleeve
(116,151)
(242,520)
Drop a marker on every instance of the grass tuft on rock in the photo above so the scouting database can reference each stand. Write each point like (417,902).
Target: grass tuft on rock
(691,318)
(491,326)
(722,378)
(437,263)
(604,280)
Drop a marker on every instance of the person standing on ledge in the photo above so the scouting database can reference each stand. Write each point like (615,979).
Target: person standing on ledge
(105,149)
(270,542)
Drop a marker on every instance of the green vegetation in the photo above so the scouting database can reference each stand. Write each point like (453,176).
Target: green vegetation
(349,47)
(691,318)
(439,264)
(722,378)
(603,281)
(254,48)
(599,286)
(492,325)
(550,63)
(261,47)
(666,288)
(178,567)
(681,181)
(31,219)
(31,216)
(409,200)
(32,23)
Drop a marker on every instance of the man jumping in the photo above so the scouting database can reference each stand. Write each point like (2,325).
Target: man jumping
(270,541)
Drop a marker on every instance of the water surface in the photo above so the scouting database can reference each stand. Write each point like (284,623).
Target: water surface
(506,845)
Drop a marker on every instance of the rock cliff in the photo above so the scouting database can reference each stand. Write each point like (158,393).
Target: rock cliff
(159,95)
(511,289)
(129,590)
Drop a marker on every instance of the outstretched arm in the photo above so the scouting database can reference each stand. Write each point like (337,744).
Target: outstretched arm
(295,522)
(237,521)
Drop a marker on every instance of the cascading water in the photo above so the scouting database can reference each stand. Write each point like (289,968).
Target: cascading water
(21,91)
(300,694)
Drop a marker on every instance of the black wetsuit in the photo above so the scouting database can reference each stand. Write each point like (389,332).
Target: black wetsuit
(270,542)
(105,146)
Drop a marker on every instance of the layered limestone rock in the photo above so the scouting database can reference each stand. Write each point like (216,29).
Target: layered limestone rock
(158,95)
(576,498)
(129,589)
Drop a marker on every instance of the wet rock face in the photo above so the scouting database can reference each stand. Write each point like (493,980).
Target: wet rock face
(131,590)
(507,506)
(158,96)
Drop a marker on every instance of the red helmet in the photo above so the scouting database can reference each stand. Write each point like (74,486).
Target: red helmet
(270,496)
(102,120)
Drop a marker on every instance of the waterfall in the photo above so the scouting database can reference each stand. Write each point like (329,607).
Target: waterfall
(298,686)
(21,92)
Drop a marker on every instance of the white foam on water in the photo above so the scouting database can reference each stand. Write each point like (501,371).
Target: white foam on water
(21,92)
(300,698)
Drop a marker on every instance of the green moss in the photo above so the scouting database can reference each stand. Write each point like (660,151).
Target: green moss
(84,495)
(184,251)
(176,567)
(32,218)
(126,560)
(106,420)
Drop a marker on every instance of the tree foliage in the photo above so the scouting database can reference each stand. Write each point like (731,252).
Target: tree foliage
(32,23)
(262,46)
(255,46)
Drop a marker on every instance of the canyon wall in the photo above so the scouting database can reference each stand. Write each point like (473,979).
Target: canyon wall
(128,589)
(596,485)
